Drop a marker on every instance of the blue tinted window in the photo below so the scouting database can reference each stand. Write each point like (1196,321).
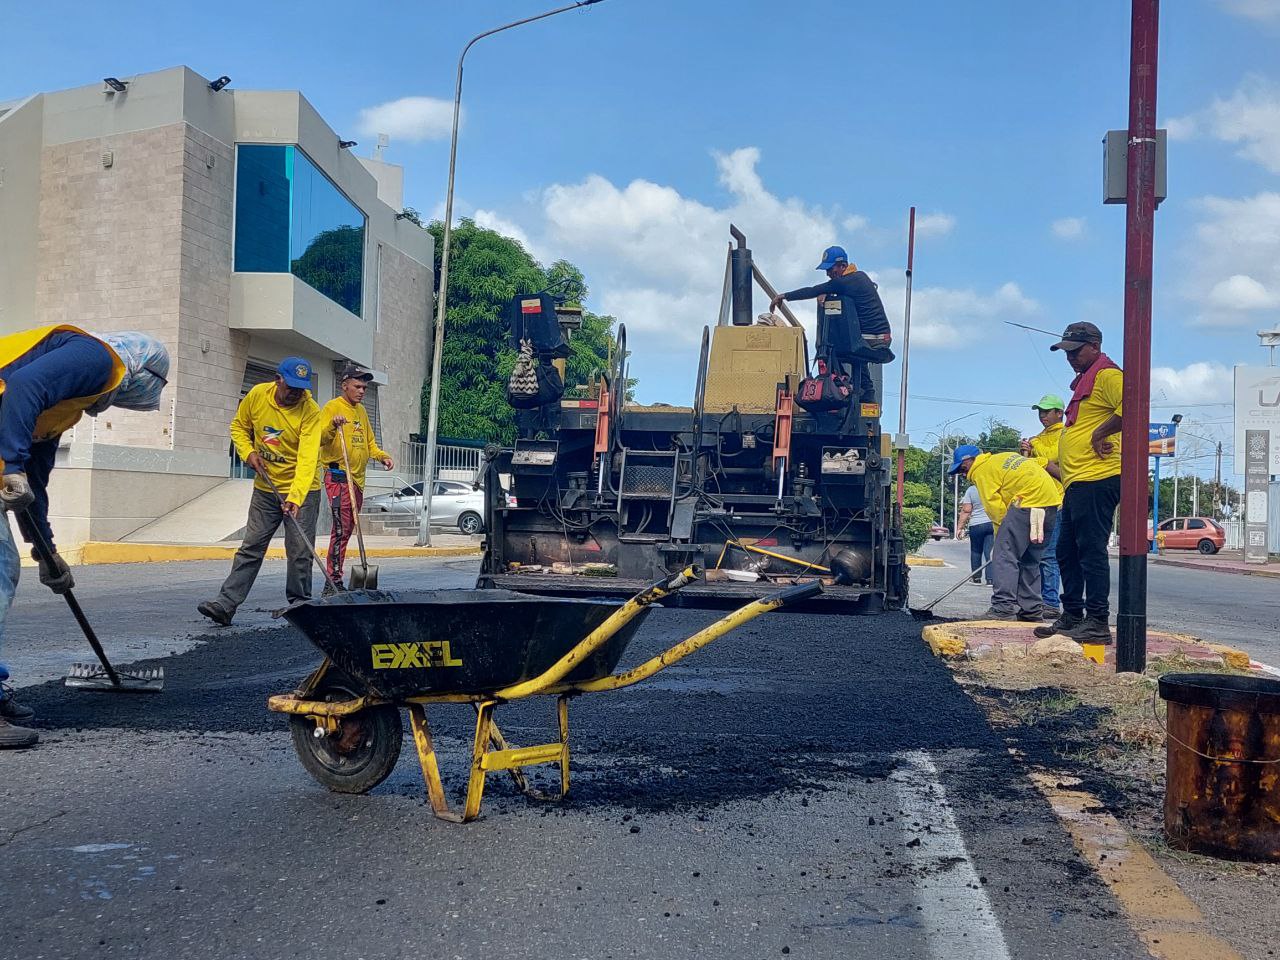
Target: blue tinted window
(291,218)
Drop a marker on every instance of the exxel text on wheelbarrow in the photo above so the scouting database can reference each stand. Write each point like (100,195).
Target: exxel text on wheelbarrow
(386,651)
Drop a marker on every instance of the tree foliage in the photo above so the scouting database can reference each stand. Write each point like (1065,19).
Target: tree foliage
(916,522)
(333,263)
(486,270)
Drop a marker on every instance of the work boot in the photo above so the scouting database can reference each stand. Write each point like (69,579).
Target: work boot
(216,612)
(1065,622)
(329,591)
(976,581)
(14,737)
(1035,616)
(1091,630)
(994,614)
(11,709)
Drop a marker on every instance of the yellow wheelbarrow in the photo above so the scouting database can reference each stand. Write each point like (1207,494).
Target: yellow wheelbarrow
(386,650)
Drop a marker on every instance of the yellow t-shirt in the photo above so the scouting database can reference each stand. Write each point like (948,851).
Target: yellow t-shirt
(286,438)
(1076,458)
(1002,478)
(362,446)
(1044,447)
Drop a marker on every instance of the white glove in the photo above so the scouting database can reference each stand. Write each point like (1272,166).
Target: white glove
(15,494)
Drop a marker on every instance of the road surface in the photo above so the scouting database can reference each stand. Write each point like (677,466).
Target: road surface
(808,786)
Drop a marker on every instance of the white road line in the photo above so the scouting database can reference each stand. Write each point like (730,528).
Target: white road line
(959,921)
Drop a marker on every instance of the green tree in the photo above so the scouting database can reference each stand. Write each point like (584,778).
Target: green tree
(486,270)
(333,263)
(915,494)
(916,522)
(999,437)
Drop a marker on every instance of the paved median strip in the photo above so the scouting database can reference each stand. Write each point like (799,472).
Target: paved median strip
(95,552)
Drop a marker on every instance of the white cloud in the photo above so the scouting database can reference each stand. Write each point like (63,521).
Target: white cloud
(492,221)
(1068,228)
(1253,9)
(1233,259)
(412,119)
(1250,117)
(1194,383)
(933,225)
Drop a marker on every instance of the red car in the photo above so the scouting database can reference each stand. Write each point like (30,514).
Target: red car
(1192,533)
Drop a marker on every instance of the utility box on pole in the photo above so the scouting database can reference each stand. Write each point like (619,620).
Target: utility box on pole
(1115,159)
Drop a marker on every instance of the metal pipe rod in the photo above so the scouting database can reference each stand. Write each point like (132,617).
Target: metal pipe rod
(906,356)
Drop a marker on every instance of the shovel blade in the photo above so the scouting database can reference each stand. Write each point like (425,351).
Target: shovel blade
(364,578)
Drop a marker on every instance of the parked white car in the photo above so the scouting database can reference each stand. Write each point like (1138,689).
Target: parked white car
(453,504)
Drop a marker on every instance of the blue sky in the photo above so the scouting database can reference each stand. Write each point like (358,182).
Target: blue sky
(625,137)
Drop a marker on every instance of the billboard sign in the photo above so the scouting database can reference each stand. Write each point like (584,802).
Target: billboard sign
(1257,394)
(1257,449)
(1162,439)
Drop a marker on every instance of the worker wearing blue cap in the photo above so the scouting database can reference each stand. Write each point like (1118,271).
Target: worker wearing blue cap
(862,335)
(276,432)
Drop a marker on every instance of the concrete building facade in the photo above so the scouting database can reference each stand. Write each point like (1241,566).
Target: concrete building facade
(232,225)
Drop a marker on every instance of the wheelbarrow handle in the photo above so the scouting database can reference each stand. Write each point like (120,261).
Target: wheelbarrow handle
(794,594)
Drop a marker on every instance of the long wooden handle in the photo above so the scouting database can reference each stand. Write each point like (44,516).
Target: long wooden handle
(351,492)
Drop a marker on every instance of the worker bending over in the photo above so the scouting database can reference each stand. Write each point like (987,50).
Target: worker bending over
(49,377)
(1022,501)
(346,413)
(276,431)
(853,330)
(1044,448)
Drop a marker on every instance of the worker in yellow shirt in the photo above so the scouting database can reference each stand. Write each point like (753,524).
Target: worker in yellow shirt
(346,413)
(1089,467)
(276,431)
(1022,501)
(1044,448)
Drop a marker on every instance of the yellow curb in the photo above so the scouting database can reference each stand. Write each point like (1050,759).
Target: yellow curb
(1169,923)
(94,552)
(943,641)
(1236,659)
(914,561)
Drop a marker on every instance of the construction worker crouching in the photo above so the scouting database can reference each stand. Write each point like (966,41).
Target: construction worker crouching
(853,333)
(345,421)
(49,377)
(276,431)
(1022,501)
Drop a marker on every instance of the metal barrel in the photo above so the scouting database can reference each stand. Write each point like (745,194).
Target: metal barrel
(1222,793)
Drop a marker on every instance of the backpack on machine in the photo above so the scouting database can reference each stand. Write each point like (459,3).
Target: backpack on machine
(533,383)
(829,390)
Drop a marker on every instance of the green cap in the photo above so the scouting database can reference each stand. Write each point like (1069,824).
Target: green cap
(1050,401)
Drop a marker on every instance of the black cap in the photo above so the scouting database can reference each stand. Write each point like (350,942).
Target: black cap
(1077,335)
(353,371)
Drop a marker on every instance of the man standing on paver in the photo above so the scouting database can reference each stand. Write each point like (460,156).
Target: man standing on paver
(1089,467)
(276,431)
(1044,447)
(346,413)
(1022,501)
(49,377)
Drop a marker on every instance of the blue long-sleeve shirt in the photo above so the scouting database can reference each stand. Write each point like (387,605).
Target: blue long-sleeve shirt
(61,367)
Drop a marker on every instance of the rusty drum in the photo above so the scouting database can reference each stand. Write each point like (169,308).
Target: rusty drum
(1222,795)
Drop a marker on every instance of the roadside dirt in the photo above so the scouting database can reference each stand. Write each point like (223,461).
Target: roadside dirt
(1068,718)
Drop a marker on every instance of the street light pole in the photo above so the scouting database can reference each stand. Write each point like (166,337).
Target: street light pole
(433,406)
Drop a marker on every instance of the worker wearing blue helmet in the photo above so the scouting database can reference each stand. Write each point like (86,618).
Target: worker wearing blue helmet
(858,333)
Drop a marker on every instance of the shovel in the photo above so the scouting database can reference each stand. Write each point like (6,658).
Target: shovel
(101,675)
(366,578)
(926,612)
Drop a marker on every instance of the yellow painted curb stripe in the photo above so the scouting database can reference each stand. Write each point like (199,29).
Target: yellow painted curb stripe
(914,561)
(95,552)
(1171,926)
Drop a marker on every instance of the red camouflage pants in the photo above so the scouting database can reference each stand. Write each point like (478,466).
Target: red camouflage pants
(339,498)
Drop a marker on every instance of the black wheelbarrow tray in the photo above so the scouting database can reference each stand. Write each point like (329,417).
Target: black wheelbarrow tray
(384,651)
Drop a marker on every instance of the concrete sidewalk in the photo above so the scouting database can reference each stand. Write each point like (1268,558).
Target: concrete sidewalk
(1225,561)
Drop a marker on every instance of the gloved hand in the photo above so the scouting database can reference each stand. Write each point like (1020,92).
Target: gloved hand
(15,493)
(1037,524)
(57,577)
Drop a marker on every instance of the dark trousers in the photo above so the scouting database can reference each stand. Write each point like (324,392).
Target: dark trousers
(1015,562)
(265,517)
(339,497)
(1088,511)
(980,535)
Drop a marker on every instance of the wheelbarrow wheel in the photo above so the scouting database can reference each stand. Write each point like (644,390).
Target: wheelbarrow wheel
(360,755)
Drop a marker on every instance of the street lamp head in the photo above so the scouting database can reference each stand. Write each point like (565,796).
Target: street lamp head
(1269,338)
(1176,418)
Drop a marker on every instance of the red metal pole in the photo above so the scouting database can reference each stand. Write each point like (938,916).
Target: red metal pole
(1140,205)
(906,356)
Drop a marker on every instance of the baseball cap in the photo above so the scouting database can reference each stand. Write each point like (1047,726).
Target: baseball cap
(353,371)
(963,452)
(830,256)
(1077,335)
(296,372)
(1050,401)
